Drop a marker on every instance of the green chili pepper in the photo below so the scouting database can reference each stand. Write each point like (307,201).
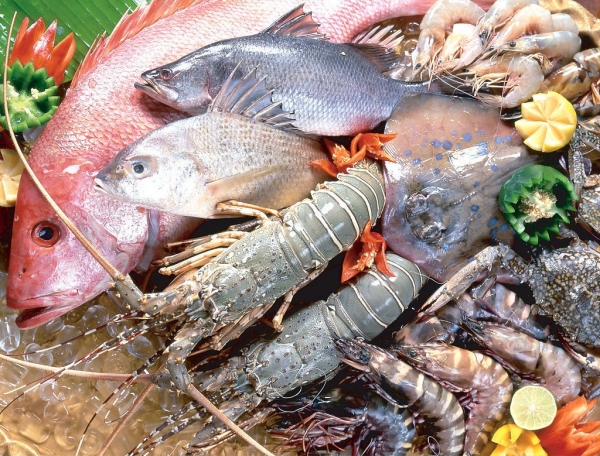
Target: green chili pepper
(535,200)
(32,98)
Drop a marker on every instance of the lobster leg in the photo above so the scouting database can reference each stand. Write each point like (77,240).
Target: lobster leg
(250,210)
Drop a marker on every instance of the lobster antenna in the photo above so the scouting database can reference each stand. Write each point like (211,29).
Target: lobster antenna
(143,378)
(114,273)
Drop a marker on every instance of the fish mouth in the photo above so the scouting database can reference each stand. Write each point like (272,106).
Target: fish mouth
(100,188)
(148,88)
(41,309)
(158,92)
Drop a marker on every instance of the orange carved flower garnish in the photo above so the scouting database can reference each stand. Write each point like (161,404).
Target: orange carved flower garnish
(566,436)
(369,249)
(363,145)
(36,44)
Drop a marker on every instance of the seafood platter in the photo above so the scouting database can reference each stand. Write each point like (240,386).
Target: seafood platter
(264,227)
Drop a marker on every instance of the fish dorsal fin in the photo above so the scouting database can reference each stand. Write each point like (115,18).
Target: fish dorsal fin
(296,23)
(385,59)
(249,96)
(386,37)
(130,24)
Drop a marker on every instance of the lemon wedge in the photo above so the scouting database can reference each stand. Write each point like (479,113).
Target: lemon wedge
(533,407)
(11,168)
(548,122)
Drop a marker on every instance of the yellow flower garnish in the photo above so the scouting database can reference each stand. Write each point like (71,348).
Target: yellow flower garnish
(548,122)
(11,168)
(515,441)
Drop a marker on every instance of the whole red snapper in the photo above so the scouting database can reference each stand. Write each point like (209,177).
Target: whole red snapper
(49,270)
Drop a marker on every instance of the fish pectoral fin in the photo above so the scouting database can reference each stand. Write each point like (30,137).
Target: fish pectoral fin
(248,187)
(296,23)
(384,58)
(249,97)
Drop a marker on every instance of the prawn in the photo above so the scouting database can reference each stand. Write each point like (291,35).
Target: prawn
(547,364)
(372,425)
(445,13)
(497,304)
(531,19)
(578,82)
(498,14)
(461,48)
(523,77)
(559,46)
(405,386)
(460,370)
(564,22)
(437,22)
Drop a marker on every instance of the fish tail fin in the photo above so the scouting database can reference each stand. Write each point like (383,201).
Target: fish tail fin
(130,25)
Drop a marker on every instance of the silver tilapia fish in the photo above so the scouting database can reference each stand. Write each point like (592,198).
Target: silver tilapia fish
(332,89)
(232,152)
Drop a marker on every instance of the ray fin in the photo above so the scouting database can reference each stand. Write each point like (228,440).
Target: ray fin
(296,23)
(130,25)
(248,96)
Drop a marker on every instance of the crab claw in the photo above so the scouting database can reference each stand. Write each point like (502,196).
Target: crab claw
(35,45)
(369,249)
(483,262)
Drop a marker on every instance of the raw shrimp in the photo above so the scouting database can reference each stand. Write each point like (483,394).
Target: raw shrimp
(499,13)
(461,48)
(363,421)
(530,20)
(523,75)
(405,386)
(480,376)
(559,46)
(498,304)
(564,22)
(438,21)
(548,364)
(428,46)
(445,13)
(575,79)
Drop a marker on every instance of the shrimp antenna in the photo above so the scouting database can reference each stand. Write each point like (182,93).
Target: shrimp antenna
(120,279)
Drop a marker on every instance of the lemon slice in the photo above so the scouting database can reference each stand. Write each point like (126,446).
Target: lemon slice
(533,407)
(548,122)
(10,175)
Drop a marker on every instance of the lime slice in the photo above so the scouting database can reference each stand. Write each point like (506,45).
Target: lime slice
(533,407)
(548,122)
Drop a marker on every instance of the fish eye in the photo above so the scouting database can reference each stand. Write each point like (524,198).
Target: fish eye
(45,234)
(412,353)
(166,74)
(138,168)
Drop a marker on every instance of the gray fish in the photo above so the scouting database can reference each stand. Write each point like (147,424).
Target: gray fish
(232,152)
(332,89)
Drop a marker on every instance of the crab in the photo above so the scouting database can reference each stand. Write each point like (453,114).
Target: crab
(585,144)
(565,283)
